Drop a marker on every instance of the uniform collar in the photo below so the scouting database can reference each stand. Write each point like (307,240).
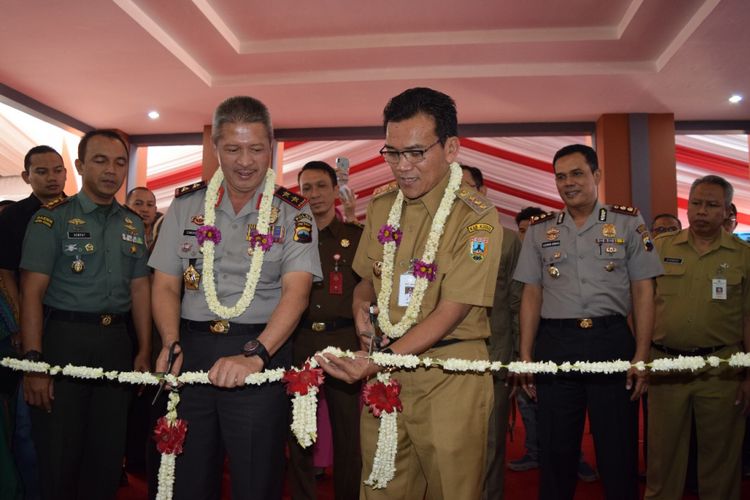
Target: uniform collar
(225,204)
(89,206)
(335,227)
(725,240)
(592,219)
(431,200)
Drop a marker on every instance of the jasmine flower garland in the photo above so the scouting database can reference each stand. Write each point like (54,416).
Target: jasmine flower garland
(208,247)
(427,271)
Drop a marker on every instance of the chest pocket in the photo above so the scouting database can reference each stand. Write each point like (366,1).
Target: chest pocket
(734,283)
(671,281)
(270,276)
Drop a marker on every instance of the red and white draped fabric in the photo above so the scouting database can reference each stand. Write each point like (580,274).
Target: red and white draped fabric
(517,170)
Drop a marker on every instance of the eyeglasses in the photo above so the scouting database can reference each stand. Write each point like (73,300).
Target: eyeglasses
(665,229)
(393,156)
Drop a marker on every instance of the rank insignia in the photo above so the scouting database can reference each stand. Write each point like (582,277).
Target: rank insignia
(622,209)
(478,249)
(43,219)
(89,247)
(197,219)
(76,221)
(190,188)
(293,199)
(345,243)
(609,230)
(553,233)
(474,200)
(536,219)
(303,232)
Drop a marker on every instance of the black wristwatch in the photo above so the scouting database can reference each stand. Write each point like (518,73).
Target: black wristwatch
(32,356)
(256,348)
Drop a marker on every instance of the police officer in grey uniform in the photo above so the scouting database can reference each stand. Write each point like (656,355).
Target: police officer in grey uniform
(249,423)
(83,266)
(584,269)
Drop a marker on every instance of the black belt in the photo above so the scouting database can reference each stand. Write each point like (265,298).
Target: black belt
(103,319)
(698,351)
(445,342)
(585,323)
(222,327)
(327,326)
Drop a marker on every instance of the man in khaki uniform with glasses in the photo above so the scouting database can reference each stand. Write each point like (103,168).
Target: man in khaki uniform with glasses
(442,431)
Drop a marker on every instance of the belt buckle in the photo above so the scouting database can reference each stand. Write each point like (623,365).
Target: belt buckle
(219,326)
(585,323)
(105,319)
(318,326)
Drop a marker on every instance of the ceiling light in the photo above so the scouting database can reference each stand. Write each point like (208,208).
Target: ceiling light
(735,98)
(153,114)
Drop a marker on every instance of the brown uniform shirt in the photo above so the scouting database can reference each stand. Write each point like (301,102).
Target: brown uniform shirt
(687,315)
(467,258)
(339,238)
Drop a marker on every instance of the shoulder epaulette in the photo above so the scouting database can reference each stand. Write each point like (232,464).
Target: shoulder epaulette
(536,219)
(385,188)
(476,201)
(190,188)
(56,203)
(622,209)
(296,200)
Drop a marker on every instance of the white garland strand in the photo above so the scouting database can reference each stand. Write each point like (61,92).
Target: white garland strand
(384,462)
(389,253)
(256,264)
(167,463)
(305,417)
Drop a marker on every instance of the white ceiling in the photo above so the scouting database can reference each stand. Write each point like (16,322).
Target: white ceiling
(335,63)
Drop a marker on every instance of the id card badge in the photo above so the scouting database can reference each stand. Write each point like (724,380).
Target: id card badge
(719,289)
(405,288)
(335,283)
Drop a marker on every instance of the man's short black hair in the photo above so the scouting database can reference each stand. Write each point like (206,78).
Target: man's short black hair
(412,102)
(527,213)
(37,150)
(240,109)
(323,167)
(139,188)
(108,133)
(476,175)
(587,151)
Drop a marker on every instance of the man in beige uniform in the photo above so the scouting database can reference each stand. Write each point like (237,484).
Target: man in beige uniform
(702,309)
(442,430)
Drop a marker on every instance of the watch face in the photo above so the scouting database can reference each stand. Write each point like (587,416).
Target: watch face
(250,347)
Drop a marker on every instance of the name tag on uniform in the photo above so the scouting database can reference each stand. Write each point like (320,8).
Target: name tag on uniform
(719,289)
(406,288)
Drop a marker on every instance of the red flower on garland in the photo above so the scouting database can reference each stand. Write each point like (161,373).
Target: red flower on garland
(170,437)
(300,381)
(204,233)
(424,270)
(264,241)
(389,233)
(382,397)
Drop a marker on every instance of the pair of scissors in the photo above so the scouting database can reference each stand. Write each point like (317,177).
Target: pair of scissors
(170,363)
(375,340)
